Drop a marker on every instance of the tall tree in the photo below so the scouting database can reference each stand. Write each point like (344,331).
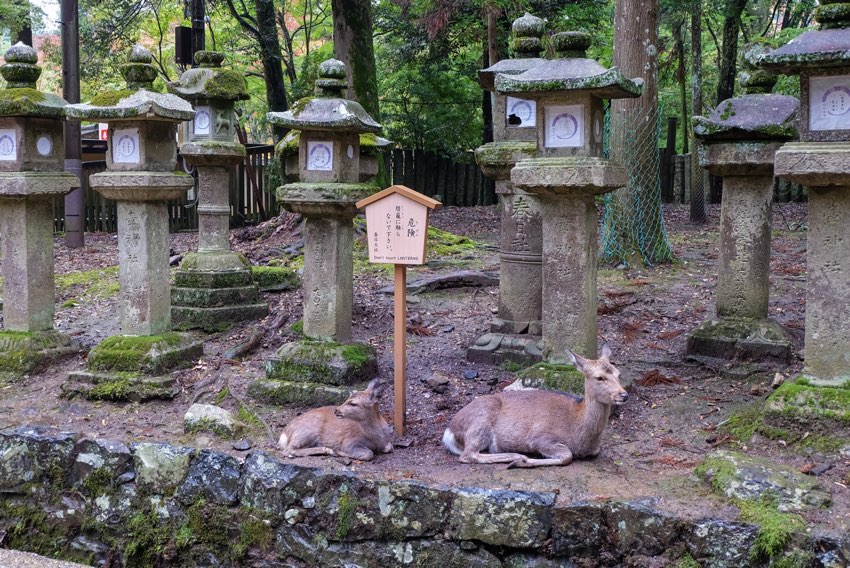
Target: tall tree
(729,49)
(634,226)
(353,46)
(262,27)
(698,177)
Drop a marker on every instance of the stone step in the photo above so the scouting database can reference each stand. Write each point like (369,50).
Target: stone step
(214,319)
(272,391)
(17,559)
(214,297)
(119,387)
(201,279)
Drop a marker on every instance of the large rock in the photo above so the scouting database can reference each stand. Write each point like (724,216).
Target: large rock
(209,418)
(499,517)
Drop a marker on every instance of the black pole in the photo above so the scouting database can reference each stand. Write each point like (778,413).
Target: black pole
(198,26)
(75,202)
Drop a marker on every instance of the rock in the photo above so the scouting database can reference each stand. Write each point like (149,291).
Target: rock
(470,374)
(741,476)
(32,453)
(102,459)
(715,543)
(499,517)
(160,468)
(212,476)
(459,279)
(438,382)
(242,445)
(272,486)
(209,418)
(447,328)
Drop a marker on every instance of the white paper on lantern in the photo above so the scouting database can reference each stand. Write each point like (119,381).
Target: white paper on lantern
(44,145)
(8,145)
(525,111)
(320,156)
(201,122)
(125,146)
(829,103)
(564,126)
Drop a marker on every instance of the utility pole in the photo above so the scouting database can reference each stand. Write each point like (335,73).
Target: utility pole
(75,202)
(198,23)
(25,33)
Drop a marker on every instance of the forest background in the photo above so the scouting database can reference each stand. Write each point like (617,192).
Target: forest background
(427,52)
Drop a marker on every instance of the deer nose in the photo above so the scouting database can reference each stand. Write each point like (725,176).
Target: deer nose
(624,396)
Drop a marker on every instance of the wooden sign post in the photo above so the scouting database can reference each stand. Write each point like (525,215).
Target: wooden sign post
(397,228)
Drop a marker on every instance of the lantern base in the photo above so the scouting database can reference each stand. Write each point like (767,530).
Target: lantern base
(22,352)
(740,339)
(496,348)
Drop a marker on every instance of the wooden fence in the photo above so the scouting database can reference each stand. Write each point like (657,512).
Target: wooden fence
(253,201)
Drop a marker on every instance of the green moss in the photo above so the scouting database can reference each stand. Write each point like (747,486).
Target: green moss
(256,531)
(226,84)
(324,362)
(687,561)
(245,416)
(110,98)
(208,425)
(131,353)
(209,523)
(297,328)
(70,304)
(275,277)
(298,106)
(357,354)
(347,505)
(222,394)
(553,376)
(148,537)
(101,481)
(511,366)
(97,283)
(444,243)
(8,96)
(801,400)
(775,528)
(116,390)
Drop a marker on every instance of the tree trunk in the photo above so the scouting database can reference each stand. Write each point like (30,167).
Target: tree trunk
(729,49)
(353,46)
(271,60)
(634,227)
(698,177)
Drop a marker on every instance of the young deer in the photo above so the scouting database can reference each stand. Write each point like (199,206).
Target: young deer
(556,425)
(354,429)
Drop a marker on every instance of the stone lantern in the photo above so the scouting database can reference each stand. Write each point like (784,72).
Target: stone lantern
(821,161)
(739,141)
(323,368)
(213,287)
(565,178)
(31,176)
(140,176)
(514,334)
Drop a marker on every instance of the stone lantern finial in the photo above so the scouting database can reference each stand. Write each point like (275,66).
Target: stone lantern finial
(527,33)
(138,71)
(572,44)
(755,80)
(21,69)
(832,14)
(209,58)
(332,78)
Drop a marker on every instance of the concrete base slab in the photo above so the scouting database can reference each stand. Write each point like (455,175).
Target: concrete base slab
(515,327)
(271,391)
(22,351)
(496,348)
(728,339)
(119,386)
(215,319)
(323,363)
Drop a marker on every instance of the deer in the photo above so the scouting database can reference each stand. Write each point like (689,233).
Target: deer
(354,429)
(558,426)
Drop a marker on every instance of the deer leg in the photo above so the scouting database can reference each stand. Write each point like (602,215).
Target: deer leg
(558,454)
(357,452)
(478,457)
(315,451)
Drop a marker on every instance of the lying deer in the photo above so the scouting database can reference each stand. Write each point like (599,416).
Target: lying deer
(556,425)
(354,429)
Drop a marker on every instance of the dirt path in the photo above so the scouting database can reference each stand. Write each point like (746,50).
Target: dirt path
(652,445)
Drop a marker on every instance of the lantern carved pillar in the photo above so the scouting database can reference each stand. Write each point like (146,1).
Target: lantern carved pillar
(325,367)
(739,141)
(213,286)
(31,176)
(140,176)
(565,177)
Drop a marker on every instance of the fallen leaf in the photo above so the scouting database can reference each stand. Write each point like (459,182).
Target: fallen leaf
(654,377)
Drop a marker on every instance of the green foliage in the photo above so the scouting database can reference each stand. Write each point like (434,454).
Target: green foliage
(775,528)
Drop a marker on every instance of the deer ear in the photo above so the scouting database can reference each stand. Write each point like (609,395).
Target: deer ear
(576,360)
(605,353)
(376,388)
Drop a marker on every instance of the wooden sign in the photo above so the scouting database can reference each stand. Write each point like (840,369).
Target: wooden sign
(397,225)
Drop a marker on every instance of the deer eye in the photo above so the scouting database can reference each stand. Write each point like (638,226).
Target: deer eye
(601,378)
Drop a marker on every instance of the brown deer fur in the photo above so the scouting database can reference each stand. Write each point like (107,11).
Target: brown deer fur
(555,425)
(354,429)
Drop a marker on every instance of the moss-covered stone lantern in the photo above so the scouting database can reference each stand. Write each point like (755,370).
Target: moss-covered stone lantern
(514,333)
(213,286)
(31,176)
(140,176)
(739,141)
(566,175)
(322,368)
(821,161)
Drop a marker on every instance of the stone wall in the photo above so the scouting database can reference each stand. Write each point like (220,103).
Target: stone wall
(149,504)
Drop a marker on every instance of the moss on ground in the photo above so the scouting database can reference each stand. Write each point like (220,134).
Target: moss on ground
(97,283)
(130,353)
